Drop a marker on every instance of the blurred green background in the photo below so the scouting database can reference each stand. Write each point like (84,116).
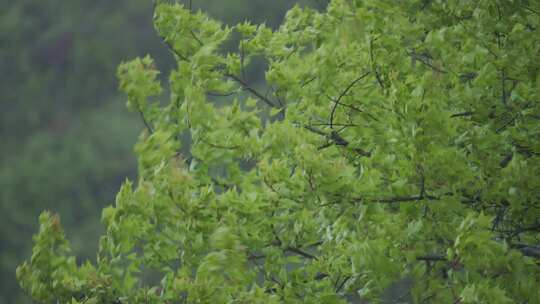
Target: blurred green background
(65,137)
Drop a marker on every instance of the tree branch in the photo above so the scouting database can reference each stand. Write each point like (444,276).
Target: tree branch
(462,114)
(431,258)
(145,122)
(246,87)
(343,93)
(301,252)
(337,140)
(528,250)
(402,199)
(373,65)
(425,62)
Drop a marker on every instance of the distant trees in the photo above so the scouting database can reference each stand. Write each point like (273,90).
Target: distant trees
(394,142)
(66,142)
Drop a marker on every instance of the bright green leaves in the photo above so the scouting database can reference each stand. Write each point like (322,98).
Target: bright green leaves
(474,245)
(396,144)
(234,64)
(52,274)
(156,149)
(186,32)
(246,29)
(484,293)
(476,255)
(138,81)
(227,260)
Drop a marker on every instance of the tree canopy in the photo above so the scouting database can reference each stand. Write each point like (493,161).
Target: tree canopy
(67,141)
(393,141)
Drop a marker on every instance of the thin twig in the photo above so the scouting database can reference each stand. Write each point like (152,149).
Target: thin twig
(336,139)
(425,62)
(145,122)
(196,38)
(531,10)
(347,89)
(340,287)
(402,199)
(462,114)
(308,81)
(166,42)
(246,87)
(220,94)
(431,258)
(300,252)
(373,65)
(242,59)
(528,250)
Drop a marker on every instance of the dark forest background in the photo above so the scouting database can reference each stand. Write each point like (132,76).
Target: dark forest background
(65,136)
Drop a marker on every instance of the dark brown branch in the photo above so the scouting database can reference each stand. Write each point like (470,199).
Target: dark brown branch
(308,81)
(337,125)
(507,124)
(357,110)
(145,122)
(531,10)
(373,65)
(171,196)
(318,243)
(343,93)
(196,38)
(510,121)
(246,87)
(425,62)
(525,150)
(220,94)
(528,250)
(171,48)
(337,140)
(462,114)
(298,251)
(402,199)
(315,130)
(506,160)
(431,258)
(340,287)
(256,257)
(164,40)
(281,286)
(533,252)
(301,252)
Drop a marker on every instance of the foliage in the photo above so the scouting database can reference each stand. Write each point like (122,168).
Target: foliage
(397,141)
(66,141)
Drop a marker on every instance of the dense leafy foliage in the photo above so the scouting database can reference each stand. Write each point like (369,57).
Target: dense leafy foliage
(397,141)
(67,141)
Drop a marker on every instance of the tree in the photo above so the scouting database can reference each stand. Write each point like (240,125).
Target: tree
(394,142)
(59,94)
